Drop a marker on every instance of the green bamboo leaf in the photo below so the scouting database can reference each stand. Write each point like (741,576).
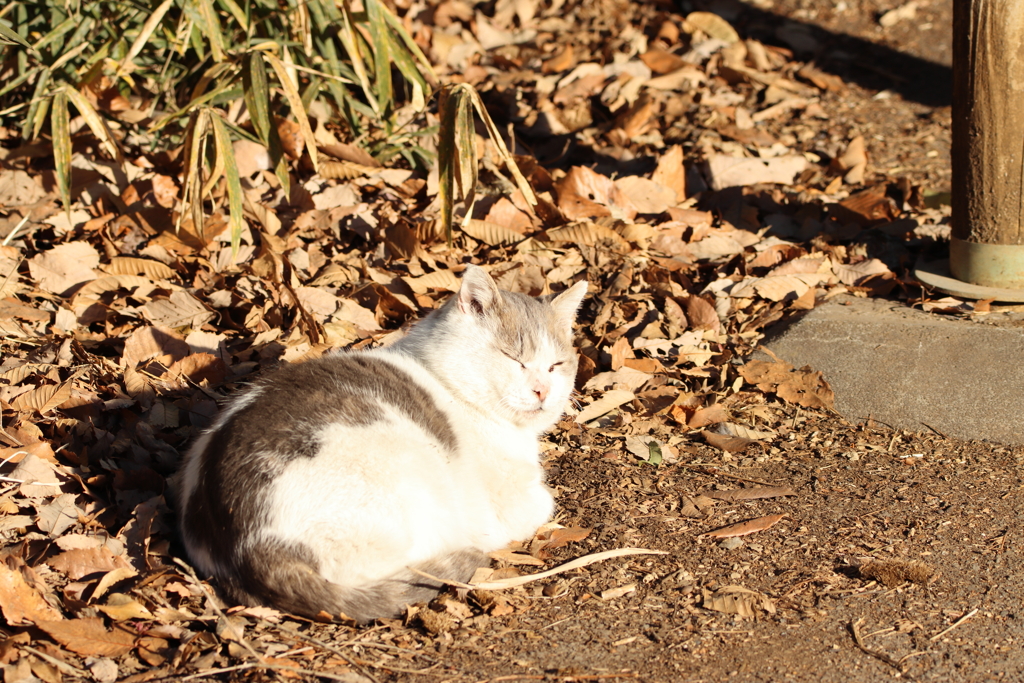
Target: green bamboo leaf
(96,124)
(210,27)
(69,55)
(291,92)
(144,35)
(257,94)
(194,163)
(236,11)
(218,162)
(40,117)
(194,36)
(381,52)
(234,184)
(410,44)
(33,120)
(257,99)
(404,61)
(63,27)
(60,129)
(456,153)
(84,32)
(465,144)
(14,83)
(223,92)
(350,41)
(446,158)
(325,14)
(7,34)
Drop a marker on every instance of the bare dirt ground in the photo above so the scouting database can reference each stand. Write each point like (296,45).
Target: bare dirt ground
(883,554)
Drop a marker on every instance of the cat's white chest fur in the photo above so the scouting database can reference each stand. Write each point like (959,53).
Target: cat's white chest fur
(332,486)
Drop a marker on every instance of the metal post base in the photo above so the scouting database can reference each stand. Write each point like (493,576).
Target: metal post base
(936,274)
(988,265)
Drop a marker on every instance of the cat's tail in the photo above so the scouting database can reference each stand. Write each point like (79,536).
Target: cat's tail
(284,576)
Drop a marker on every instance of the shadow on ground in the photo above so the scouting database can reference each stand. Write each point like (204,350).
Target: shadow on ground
(868,64)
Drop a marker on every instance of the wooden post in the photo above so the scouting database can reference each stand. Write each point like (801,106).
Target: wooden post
(987,247)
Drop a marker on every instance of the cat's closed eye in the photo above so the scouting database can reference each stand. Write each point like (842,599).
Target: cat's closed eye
(510,356)
(552,368)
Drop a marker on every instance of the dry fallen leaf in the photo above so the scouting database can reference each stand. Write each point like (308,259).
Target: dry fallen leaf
(737,600)
(563,536)
(582,193)
(809,389)
(65,267)
(853,162)
(58,516)
(198,368)
(711,24)
(491,233)
(857,273)
(82,562)
(38,478)
(867,208)
(671,173)
(512,557)
(647,196)
(19,602)
(149,341)
(563,61)
(39,449)
(607,403)
(765,374)
(110,578)
(165,190)
(732,444)
(43,399)
(128,265)
(181,309)
(710,415)
(89,638)
(663,61)
(587,233)
(750,526)
(727,171)
(701,314)
(121,607)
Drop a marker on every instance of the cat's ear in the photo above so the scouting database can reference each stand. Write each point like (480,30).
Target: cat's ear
(568,302)
(478,292)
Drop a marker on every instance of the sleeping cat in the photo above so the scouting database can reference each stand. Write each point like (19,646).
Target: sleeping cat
(317,489)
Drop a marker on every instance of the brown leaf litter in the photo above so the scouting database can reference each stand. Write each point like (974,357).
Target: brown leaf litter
(698,177)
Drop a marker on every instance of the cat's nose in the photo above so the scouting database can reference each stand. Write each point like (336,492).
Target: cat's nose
(541,391)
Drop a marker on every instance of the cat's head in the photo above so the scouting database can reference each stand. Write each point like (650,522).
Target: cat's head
(513,353)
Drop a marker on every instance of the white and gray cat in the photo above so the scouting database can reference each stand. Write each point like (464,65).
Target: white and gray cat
(317,489)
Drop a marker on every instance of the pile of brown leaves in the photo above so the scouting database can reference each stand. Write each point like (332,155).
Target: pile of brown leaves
(690,198)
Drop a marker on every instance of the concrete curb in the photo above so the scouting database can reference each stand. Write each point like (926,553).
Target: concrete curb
(914,370)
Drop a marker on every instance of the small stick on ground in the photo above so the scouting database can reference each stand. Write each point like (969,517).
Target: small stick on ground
(881,656)
(935,430)
(213,603)
(956,623)
(63,666)
(325,646)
